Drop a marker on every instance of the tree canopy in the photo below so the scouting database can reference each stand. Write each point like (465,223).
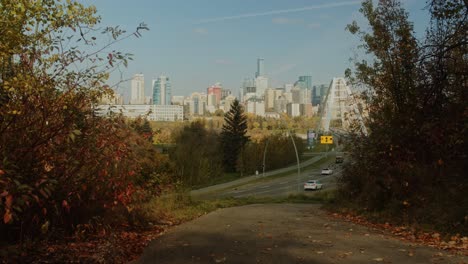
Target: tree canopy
(60,165)
(413,162)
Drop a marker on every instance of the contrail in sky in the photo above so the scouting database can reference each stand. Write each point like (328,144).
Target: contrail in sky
(276,12)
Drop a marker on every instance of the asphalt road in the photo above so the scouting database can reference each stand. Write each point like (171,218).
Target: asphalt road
(291,171)
(290,184)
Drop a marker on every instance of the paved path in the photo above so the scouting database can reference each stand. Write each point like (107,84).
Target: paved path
(283,233)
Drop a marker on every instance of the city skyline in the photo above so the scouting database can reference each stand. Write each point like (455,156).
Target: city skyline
(220,41)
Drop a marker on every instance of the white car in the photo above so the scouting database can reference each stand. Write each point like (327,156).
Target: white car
(327,171)
(313,185)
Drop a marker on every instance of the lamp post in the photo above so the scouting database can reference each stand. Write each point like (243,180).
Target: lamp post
(297,157)
(298,162)
(264,157)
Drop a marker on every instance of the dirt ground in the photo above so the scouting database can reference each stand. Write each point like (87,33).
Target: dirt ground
(284,233)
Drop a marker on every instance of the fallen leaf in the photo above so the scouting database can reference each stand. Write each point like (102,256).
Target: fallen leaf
(319,252)
(378,259)
(220,260)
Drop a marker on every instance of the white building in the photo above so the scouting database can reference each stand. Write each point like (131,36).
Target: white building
(138,89)
(288,97)
(177,100)
(255,107)
(271,95)
(113,99)
(197,104)
(227,102)
(152,112)
(280,105)
(261,84)
(293,110)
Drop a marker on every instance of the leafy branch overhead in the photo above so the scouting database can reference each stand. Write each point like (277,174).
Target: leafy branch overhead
(60,164)
(417,115)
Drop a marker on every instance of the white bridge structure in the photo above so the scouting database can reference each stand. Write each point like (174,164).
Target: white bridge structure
(341,108)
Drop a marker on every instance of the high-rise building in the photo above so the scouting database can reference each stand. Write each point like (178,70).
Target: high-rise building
(304,82)
(225,93)
(296,95)
(162,91)
(271,95)
(260,68)
(288,87)
(228,102)
(261,81)
(197,104)
(280,104)
(138,89)
(317,93)
(261,84)
(177,100)
(216,91)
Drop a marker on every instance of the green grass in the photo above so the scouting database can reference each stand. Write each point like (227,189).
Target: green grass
(227,177)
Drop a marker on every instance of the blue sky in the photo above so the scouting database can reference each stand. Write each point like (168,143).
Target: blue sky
(200,42)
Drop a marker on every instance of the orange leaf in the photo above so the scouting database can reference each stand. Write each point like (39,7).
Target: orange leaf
(9,201)
(7,217)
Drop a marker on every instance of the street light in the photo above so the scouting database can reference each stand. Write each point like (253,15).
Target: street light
(298,164)
(297,157)
(264,157)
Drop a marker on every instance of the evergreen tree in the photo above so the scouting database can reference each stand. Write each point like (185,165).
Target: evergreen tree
(233,136)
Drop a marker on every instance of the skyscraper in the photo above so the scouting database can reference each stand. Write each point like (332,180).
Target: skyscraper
(261,81)
(260,68)
(138,89)
(304,82)
(162,91)
(216,91)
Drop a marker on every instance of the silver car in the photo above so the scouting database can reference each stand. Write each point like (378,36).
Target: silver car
(313,185)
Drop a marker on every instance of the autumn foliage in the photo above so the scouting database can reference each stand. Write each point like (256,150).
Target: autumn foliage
(60,165)
(412,166)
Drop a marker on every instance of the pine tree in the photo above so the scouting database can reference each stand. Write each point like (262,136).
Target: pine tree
(233,136)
